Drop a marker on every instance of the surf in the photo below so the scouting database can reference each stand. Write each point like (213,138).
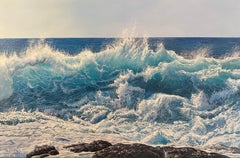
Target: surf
(125,85)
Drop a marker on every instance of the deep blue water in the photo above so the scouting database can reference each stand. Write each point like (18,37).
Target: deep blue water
(216,46)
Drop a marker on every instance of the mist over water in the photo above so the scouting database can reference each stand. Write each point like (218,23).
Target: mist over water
(132,87)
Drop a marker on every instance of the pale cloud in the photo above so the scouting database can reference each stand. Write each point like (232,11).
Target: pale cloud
(107,18)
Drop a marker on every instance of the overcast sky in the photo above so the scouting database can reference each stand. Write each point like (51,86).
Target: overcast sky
(108,18)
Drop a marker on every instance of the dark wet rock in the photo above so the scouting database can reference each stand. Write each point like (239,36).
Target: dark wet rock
(104,149)
(43,155)
(43,151)
(89,147)
(53,152)
(129,151)
(184,152)
(145,151)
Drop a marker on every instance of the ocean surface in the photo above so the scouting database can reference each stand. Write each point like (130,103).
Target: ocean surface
(159,91)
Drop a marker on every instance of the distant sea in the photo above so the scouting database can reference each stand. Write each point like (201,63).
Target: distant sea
(160,91)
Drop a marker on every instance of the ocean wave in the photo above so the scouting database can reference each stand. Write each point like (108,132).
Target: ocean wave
(127,85)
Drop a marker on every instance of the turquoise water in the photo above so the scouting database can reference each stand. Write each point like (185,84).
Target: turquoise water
(185,85)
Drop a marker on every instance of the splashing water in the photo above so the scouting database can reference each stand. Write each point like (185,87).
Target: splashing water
(141,94)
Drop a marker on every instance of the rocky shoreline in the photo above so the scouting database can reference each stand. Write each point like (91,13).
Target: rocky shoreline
(104,149)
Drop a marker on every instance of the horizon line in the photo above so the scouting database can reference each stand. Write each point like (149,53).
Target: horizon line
(120,37)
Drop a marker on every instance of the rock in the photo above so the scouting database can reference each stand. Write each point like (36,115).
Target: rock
(89,147)
(185,152)
(53,152)
(145,151)
(129,151)
(104,149)
(216,155)
(43,155)
(43,151)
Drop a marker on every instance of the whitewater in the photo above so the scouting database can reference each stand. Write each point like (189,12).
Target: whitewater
(126,92)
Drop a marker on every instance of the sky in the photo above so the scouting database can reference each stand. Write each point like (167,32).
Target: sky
(110,18)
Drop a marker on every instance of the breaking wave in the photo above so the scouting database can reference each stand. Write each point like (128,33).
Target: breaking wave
(128,88)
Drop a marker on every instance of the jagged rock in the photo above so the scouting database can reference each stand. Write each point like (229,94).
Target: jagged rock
(43,151)
(129,151)
(89,147)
